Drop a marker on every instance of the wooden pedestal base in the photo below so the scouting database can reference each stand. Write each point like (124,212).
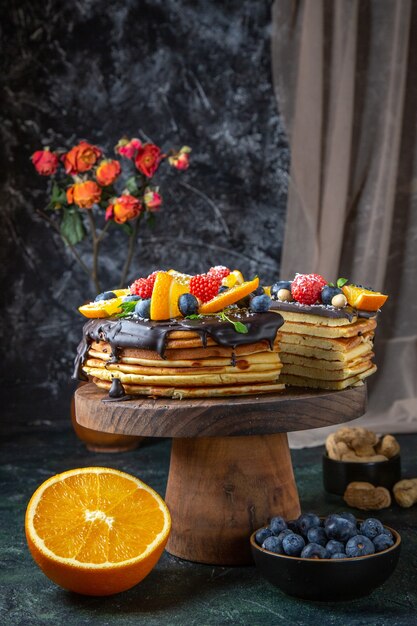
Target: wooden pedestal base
(220,489)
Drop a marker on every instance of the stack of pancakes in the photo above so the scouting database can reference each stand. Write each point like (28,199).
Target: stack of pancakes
(325,352)
(187,368)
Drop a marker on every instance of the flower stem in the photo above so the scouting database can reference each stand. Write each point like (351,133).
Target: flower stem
(131,250)
(96,245)
(74,252)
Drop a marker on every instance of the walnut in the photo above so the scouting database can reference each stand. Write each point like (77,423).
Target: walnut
(366,496)
(388,446)
(405,492)
(352,456)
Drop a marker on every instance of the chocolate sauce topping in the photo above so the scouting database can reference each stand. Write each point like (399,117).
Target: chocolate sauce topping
(152,335)
(321,309)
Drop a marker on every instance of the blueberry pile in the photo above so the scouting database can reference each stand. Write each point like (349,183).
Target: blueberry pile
(338,536)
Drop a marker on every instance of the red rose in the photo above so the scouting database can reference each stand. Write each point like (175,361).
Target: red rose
(148,159)
(124,208)
(81,158)
(45,162)
(152,199)
(107,172)
(84,194)
(181,159)
(128,148)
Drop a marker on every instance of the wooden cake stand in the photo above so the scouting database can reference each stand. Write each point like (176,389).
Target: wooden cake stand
(230,467)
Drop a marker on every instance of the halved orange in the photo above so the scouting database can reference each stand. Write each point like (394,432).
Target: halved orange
(96,530)
(165,294)
(226,298)
(363,299)
(102,308)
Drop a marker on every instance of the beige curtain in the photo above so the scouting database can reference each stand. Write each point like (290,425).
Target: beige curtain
(345,75)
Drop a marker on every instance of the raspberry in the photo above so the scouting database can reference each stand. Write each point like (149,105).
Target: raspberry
(205,286)
(306,288)
(219,270)
(142,287)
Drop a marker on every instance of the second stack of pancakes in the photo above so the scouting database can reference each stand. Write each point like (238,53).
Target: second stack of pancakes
(325,348)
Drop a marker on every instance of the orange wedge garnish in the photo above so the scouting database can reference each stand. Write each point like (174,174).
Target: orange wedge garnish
(165,294)
(363,299)
(102,308)
(232,279)
(96,530)
(226,298)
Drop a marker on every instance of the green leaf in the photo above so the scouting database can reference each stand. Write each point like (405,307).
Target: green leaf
(132,185)
(240,328)
(127,228)
(72,227)
(58,195)
(127,308)
(150,219)
(341,282)
(194,317)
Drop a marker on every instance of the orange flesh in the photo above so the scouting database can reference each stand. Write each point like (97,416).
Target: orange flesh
(226,298)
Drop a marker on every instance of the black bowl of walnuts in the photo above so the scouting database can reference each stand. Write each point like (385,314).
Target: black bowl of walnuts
(331,558)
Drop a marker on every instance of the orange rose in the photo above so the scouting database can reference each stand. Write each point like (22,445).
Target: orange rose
(124,208)
(147,159)
(81,158)
(84,194)
(181,160)
(107,172)
(45,162)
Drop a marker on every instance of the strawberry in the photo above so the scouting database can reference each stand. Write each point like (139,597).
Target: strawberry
(205,286)
(306,288)
(219,270)
(142,287)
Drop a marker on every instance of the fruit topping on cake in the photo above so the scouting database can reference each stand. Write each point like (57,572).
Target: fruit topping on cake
(306,288)
(363,299)
(231,296)
(205,286)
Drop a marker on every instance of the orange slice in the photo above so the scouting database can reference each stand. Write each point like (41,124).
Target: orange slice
(232,279)
(96,530)
(226,298)
(102,308)
(180,277)
(165,294)
(363,299)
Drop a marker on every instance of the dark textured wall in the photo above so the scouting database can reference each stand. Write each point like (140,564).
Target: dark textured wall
(176,71)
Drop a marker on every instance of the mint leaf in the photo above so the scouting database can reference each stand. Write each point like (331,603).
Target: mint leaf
(72,227)
(127,308)
(194,317)
(341,282)
(240,328)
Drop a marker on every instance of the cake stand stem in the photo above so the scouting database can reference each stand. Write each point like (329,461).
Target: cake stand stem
(220,489)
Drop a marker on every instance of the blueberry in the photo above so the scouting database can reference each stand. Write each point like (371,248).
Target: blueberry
(335,547)
(188,304)
(317,535)
(261,535)
(131,298)
(293,544)
(314,551)
(340,529)
(106,295)
(284,533)
(258,292)
(306,521)
(387,532)
(273,545)
(371,527)
(327,293)
(223,288)
(260,304)
(143,308)
(292,525)
(359,545)
(277,524)
(338,555)
(382,542)
(348,516)
(281,284)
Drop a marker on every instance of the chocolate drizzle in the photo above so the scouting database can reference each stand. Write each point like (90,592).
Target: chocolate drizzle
(322,310)
(152,335)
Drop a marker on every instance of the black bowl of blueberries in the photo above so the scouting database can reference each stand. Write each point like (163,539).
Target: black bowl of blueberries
(329,559)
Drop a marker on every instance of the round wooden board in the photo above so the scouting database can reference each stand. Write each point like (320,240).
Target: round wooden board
(294,409)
